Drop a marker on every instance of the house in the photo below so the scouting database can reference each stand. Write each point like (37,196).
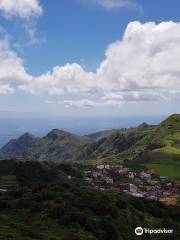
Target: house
(97,174)
(100,167)
(140,195)
(142,188)
(145,176)
(163,178)
(117,168)
(177,186)
(123,171)
(169,201)
(152,198)
(108,189)
(87,179)
(132,188)
(138,181)
(120,188)
(98,189)
(108,180)
(166,193)
(107,166)
(131,175)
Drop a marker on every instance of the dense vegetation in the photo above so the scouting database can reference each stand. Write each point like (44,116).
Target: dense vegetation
(69,211)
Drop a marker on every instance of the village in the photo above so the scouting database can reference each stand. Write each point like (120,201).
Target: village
(142,184)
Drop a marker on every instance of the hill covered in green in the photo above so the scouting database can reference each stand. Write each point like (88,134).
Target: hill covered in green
(19,173)
(57,145)
(158,147)
(109,146)
(59,209)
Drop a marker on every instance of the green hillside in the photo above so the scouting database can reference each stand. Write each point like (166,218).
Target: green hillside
(111,145)
(57,145)
(58,209)
(161,149)
(17,173)
(156,146)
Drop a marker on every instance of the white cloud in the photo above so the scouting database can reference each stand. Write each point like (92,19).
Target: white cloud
(20,8)
(27,10)
(62,79)
(115,4)
(6,89)
(12,69)
(143,66)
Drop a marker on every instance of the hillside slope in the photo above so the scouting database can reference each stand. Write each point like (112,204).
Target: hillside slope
(57,145)
(160,150)
(113,144)
(156,146)
(46,207)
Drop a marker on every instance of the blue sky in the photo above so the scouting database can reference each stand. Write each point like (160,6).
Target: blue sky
(46,35)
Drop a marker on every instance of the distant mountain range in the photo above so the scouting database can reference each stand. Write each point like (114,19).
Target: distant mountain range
(60,145)
(146,143)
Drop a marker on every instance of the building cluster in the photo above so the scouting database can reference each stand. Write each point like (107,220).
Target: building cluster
(143,184)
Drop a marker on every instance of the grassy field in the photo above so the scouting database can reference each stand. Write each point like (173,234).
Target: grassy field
(165,161)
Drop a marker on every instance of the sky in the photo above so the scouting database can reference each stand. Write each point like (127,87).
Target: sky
(89,58)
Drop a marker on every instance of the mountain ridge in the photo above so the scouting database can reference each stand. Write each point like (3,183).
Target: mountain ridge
(125,144)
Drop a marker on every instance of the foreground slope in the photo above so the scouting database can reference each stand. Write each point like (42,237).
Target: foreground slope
(62,209)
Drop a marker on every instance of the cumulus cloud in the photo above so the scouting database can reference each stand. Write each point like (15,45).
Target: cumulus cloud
(24,9)
(143,66)
(12,69)
(63,79)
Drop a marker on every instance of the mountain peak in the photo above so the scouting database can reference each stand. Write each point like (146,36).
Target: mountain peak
(143,125)
(172,122)
(174,116)
(57,134)
(26,136)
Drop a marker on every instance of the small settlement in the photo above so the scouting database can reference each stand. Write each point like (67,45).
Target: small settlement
(142,184)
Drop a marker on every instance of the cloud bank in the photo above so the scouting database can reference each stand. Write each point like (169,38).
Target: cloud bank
(143,66)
